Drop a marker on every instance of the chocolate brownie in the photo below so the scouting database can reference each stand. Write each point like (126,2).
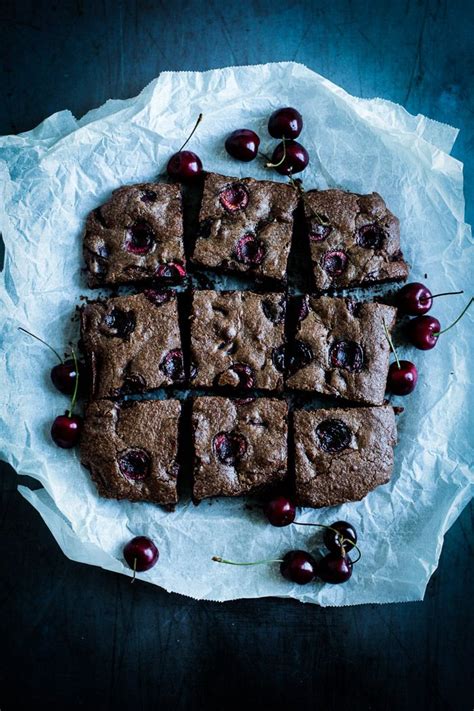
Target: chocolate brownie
(354,239)
(245,225)
(239,445)
(137,235)
(236,337)
(132,343)
(131,449)
(342,454)
(341,349)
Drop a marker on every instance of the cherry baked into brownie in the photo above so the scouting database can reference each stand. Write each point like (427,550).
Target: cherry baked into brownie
(239,445)
(245,225)
(342,454)
(132,343)
(341,349)
(131,449)
(136,236)
(354,240)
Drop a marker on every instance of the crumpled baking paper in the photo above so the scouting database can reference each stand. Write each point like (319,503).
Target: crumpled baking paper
(52,176)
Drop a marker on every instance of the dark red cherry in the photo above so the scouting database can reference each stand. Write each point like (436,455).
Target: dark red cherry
(141,554)
(118,323)
(274,310)
(370,236)
(66,430)
(347,355)
(280,511)
(149,196)
(334,568)
(234,197)
(334,262)
(285,123)
(299,567)
(172,365)
(140,238)
(333,435)
(301,307)
(229,447)
(158,296)
(63,376)
(318,232)
(250,250)
(242,144)
(170,272)
(184,166)
(414,299)
(296,158)
(245,375)
(423,332)
(402,380)
(342,533)
(300,354)
(134,464)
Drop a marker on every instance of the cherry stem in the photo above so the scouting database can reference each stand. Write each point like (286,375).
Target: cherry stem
(458,319)
(217,559)
(425,299)
(199,119)
(282,160)
(340,537)
(76,383)
(297,184)
(43,342)
(392,347)
(134,570)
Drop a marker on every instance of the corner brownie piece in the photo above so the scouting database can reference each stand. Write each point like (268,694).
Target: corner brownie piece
(245,225)
(239,445)
(137,235)
(132,343)
(341,349)
(236,337)
(342,454)
(354,239)
(131,449)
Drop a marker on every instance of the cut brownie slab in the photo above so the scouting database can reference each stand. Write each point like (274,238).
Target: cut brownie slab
(245,225)
(342,454)
(239,445)
(236,337)
(132,343)
(354,239)
(131,449)
(341,349)
(136,236)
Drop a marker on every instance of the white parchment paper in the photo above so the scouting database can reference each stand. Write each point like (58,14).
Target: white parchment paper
(52,176)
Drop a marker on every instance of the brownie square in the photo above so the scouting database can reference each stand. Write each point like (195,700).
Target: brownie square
(239,446)
(245,225)
(354,240)
(342,454)
(131,449)
(341,349)
(132,343)
(136,236)
(236,337)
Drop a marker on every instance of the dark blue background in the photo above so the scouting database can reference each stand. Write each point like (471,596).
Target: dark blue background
(76,637)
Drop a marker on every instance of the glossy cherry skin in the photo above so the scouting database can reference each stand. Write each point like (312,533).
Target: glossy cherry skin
(63,376)
(280,511)
(402,380)
(141,553)
(66,430)
(184,166)
(242,144)
(299,567)
(423,332)
(285,123)
(334,568)
(333,541)
(414,299)
(296,158)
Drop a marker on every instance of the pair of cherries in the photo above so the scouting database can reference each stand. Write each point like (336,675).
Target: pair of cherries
(422,332)
(65,376)
(300,566)
(289,156)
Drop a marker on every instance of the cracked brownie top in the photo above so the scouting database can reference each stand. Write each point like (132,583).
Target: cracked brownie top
(354,239)
(342,454)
